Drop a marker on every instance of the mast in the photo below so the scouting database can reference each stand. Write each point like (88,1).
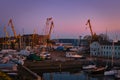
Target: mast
(112,52)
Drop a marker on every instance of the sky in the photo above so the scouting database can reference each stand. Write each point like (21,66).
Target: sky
(69,17)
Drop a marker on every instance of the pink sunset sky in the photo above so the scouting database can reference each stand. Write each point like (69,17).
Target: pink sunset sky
(69,16)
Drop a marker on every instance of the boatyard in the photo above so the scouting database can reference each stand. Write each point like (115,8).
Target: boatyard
(35,55)
(34,64)
(59,40)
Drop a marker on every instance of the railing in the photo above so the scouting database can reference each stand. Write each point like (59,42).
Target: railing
(27,74)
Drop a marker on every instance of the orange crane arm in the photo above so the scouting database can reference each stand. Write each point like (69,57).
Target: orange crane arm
(51,26)
(12,26)
(88,23)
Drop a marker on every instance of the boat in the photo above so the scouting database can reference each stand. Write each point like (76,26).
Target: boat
(74,55)
(117,75)
(92,66)
(98,70)
(110,72)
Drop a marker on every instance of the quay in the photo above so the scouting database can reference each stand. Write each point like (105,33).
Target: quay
(60,63)
(55,65)
(24,72)
(57,62)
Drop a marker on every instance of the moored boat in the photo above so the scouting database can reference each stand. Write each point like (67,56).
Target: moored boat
(89,67)
(117,75)
(98,70)
(110,73)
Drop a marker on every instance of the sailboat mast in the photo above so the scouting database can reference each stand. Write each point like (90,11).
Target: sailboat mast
(113,50)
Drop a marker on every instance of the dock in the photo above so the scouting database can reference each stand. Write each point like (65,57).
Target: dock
(43,66)
(24,72)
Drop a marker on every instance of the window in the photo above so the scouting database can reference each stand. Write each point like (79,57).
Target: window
(115,47)
(107,53)
(109,47)
(119,47)
(118,53)
(115,54)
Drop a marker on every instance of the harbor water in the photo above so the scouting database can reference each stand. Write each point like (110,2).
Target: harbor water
(75,76)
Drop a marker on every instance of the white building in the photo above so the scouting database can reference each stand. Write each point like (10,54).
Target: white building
(105,49)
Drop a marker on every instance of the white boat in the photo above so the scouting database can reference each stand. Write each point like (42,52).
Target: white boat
(89,67)
(73,55)
(110,72)
(117,75)
(45,55)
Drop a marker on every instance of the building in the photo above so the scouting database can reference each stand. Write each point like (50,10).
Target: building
(22,41)
(73,42)
(105,49)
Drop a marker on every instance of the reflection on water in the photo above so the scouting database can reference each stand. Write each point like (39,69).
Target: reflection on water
(74,76)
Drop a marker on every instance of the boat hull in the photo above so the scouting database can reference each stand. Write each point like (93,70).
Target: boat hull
(97,70)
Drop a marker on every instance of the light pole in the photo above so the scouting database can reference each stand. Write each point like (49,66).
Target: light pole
(80,40)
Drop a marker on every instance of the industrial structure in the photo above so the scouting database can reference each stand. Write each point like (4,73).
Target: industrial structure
(20,41)
(93,34)
(25,40)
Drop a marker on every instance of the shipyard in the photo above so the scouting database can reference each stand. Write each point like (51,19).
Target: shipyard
(59,40)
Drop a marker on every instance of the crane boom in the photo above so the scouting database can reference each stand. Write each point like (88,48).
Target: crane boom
(88,23)
(7,35)
(12,26)
(51,26)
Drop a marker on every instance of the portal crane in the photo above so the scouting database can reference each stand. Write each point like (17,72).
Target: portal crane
(94,36)
(48,29)
(12,26)
(88,23)
(49,26)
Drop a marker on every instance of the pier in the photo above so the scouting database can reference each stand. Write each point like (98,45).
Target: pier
(26,74)
(54,65)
